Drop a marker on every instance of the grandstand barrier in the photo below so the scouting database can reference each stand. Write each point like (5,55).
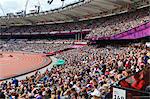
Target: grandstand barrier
(135,33)
(83,31)
(62,50)
(56,52)
(58,42)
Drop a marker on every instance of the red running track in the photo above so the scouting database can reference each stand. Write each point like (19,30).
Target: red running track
(13,64)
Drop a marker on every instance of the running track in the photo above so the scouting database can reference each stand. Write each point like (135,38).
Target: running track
(20,64)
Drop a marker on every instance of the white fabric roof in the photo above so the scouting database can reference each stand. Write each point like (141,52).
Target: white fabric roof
(87,9)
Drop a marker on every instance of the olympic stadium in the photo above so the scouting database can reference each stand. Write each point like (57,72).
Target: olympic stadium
(75,49)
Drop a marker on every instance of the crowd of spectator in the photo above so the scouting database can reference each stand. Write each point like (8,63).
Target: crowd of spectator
(87,73)
(38,46)
(121,23)
(101,27)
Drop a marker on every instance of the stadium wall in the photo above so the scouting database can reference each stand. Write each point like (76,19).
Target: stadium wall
(135,33)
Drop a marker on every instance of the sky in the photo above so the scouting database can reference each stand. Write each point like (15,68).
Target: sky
(12,6)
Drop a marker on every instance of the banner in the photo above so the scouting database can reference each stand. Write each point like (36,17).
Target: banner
(134,33)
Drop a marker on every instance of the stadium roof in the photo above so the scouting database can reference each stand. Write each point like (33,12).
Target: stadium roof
(83,10)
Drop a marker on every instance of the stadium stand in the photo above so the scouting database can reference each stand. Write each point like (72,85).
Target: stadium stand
(86,69)
(103,27)
(121,23)
(92,67)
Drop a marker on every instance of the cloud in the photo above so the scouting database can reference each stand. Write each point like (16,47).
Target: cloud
(12,6)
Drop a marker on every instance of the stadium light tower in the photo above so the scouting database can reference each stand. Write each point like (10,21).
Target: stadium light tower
(49,2)
(2,9)
(62,2)
(36,6)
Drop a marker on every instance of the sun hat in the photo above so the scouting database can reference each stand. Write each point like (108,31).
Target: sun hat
(96,93)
